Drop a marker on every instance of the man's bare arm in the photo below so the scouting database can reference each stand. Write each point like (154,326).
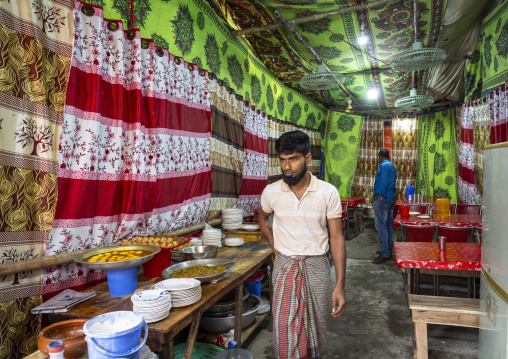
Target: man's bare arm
(338,248)
(266,229)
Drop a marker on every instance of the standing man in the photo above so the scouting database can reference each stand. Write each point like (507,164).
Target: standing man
(384,201)
(304,296)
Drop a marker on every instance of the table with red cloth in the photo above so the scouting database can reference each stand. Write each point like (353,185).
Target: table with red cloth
(454,220)
(353,202)
(402,201)
(413,256)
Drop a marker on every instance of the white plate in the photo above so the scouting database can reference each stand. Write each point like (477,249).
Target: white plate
(414,213)
(251,227)
(176,284)
(234,242)
(152,310)
(149,306)
(423,216)
(151,296)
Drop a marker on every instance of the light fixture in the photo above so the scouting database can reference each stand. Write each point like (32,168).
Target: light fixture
(349,107)
(372,92)
(363,39)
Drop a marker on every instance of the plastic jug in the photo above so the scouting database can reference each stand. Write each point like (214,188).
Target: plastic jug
(410,191)
(443,207)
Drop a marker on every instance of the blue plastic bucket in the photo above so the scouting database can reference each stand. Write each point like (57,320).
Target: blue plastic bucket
(253,283)
(124,344)
(122,281)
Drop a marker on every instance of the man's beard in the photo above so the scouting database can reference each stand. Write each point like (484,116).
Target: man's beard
(293,181)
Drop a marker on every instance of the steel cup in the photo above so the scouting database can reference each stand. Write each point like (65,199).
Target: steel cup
(441,243)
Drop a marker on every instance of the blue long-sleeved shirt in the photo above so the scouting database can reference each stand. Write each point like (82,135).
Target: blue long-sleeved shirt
(384,183)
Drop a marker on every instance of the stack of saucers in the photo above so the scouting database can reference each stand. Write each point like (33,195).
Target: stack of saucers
(184,291)
(232,218)
(212,237)
(153,305)
(234,242)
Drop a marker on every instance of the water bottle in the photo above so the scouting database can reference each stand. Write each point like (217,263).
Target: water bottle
(56,349)
(410,198)
(232,350)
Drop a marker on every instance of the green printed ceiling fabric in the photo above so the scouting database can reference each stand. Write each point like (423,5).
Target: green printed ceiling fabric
(342,144)
(389,29)
(494,42)
(196,31)
(437,158)
(474,73)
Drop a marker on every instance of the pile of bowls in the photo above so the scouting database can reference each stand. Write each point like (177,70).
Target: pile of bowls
(184,291)
(232,218)
(153,304)
(212,237)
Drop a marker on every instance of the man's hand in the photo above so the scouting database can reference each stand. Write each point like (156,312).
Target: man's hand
(378,198)
(338,301)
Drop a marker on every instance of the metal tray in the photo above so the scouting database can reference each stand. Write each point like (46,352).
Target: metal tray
(79,258)
(166,273)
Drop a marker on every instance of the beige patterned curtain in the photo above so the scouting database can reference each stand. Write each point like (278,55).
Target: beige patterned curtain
(368,161)
(404,140)
(226,155)
(35,47)
(481,138)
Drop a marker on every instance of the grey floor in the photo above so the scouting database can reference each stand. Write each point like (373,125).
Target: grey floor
(376,323)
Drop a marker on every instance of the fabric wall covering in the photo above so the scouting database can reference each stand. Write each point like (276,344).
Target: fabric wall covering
(277,128)
(36,51)
(368,160)
(437,156)
(342,144)
(192,29)
(404,142)
(134,156)
(468,192)
(498,104)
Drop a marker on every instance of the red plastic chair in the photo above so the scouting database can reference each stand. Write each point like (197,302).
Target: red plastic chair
(418,233)
(422,208)
(453,208)
(345,220)
(455,234)
(468,209)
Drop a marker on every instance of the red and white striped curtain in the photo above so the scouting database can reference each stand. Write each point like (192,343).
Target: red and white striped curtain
(134,156)
(468,192)
(498,102)
(255,159)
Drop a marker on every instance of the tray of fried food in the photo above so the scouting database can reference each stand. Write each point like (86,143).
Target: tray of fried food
(162,241)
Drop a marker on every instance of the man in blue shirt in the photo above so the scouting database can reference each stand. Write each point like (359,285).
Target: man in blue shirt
(384,201)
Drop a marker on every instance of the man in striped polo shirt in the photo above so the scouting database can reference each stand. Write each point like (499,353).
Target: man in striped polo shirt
(304,296)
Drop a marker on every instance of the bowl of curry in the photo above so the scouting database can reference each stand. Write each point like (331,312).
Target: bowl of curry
(116,257)
(198,269)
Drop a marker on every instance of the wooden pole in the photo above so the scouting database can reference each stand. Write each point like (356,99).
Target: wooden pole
(341,11)
(59,259)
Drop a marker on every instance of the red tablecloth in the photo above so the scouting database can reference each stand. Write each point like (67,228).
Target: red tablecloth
(353,201)
(402,201)
(424,255)
(454,220)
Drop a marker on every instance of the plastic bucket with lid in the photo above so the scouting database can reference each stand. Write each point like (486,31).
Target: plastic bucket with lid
(253,283)
(123,343)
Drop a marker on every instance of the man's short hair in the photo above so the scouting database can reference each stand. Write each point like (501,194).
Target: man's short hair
(291,142)
(384,153)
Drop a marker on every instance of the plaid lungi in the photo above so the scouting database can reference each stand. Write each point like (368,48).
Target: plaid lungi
(302,302)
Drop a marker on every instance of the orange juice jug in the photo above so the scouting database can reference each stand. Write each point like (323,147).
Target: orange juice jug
(443,207)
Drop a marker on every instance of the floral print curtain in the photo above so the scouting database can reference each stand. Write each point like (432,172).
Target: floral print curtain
(368,160)
(468,192)
(498,102)
(437,157)
(36,49)
(481,139)
(134,155)
(404,151)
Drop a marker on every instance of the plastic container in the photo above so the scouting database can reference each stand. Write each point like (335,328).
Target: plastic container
(443,207)
(56,349)
(122,344)
(404,212)
(122,281)
(253,283)
(410,190)
(154,267)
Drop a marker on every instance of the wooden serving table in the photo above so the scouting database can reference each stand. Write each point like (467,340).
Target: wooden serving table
(160,334)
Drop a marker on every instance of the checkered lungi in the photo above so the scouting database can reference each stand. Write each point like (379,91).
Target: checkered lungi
(302,302)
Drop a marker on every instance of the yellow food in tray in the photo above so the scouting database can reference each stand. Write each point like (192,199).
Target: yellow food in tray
(197,271)
(116,256)
(158,241)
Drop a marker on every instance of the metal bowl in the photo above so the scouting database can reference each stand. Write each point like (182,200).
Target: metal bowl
(117,265)
(226,303)
(199,252)
(225,324)
(166,273)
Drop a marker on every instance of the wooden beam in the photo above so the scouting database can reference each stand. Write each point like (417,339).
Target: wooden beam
(341,11)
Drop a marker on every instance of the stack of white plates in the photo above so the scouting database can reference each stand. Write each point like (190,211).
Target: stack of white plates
(197,241)
(234,242)
(153,305)
(184,291)
(232,218)
(212,237)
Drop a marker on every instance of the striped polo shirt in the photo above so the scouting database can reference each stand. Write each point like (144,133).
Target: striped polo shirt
(299,226)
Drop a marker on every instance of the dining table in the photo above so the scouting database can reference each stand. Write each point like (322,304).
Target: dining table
(249,257)
(454,220)
(458,259)
(354,202)
(403,200)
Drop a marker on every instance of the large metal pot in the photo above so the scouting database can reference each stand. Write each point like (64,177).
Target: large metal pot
(220,325)
(199,252)
(226,303)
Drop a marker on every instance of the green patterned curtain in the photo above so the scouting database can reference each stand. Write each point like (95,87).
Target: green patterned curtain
(473,79)
(342,144)
(437,156)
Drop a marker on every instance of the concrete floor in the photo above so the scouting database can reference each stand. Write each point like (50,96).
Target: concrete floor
(376,323)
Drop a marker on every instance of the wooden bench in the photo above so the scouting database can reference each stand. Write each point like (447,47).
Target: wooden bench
(461,312)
